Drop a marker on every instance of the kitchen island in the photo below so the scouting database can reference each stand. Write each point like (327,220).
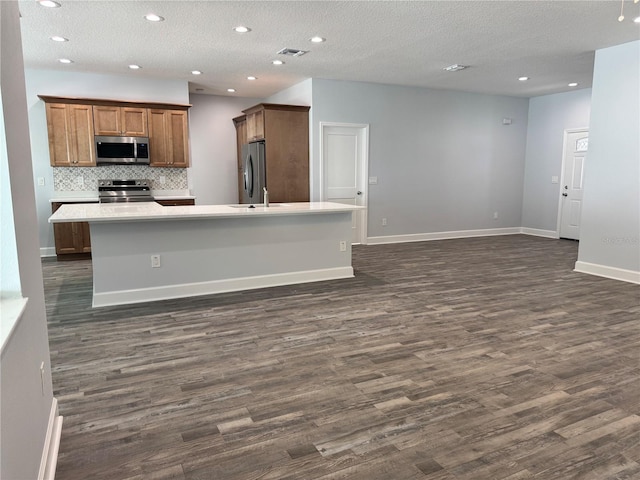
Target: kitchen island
(145,251)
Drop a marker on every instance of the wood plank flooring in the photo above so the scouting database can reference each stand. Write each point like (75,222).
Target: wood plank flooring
(469,359)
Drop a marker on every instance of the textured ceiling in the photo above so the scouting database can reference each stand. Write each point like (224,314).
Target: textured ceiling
(392,42)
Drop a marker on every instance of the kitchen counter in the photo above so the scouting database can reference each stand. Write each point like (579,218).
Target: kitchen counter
(128,212)
(146,252)
(92,197)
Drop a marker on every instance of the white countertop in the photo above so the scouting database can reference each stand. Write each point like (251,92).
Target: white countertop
(90,197)
(123,212)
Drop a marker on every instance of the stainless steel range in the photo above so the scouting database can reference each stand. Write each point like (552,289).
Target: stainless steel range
(117,191)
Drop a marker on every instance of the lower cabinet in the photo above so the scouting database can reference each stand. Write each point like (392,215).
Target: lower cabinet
(72,237)
(177,202)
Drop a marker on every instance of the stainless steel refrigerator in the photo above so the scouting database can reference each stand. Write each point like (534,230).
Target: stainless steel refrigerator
(254,173)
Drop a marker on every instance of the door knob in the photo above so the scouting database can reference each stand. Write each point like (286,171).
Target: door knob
(565,194)
(359,193)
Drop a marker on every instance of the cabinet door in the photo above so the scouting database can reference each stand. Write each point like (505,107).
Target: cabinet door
(58,130)
(179,138)
(134,122)
(158,145)
(255,126)
(168,138)
(72,237)
(81,141)
(70,129)
(107,120)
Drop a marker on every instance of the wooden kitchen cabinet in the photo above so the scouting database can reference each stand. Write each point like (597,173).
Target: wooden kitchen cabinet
(71,238)
(255,124)
(285,131)
(241,138)
(176,202)
(112,120)
(70,129)
(168,138)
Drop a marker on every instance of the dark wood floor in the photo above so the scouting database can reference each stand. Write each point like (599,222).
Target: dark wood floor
(481,358)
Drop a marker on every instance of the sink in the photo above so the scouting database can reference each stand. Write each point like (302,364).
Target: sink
(273,205)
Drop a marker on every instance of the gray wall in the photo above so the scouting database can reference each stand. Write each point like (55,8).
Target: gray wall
(444,160)
(25,400)
(549,117)
(610,231)
(213,173)
(82,85)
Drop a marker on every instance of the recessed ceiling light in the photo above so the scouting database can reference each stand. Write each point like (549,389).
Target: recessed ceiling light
(152,17)
(318,39)
(241,29)
(65,60)
(278,62)
(523,79)
(637,19)
(455,67)
(135,67)
(231,90)
(572,84)
(196,72)
(49,3)
(251,77)
(56,38)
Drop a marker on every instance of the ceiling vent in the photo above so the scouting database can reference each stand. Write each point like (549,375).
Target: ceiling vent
(455,68)
(292,52)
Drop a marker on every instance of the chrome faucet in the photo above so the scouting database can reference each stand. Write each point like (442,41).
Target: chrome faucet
(266,197)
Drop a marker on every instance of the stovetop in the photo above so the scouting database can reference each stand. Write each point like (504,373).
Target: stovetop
(116,191)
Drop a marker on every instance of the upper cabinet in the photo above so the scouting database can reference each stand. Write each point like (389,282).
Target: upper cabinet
(168,138)
(70,128)
(72,124)
(120,121)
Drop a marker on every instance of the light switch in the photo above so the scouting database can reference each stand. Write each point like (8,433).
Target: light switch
(554,179)
(373,180)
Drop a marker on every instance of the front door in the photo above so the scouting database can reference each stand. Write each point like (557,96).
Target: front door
(344,170)
(575,152)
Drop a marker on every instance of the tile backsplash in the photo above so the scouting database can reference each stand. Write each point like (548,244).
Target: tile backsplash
(69,179)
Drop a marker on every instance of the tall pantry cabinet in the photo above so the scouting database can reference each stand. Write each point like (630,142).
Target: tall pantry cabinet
(285,131)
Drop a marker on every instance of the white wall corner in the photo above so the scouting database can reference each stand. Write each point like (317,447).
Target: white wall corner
(49,458)
(605,271)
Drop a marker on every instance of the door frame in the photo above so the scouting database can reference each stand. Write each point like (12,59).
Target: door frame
(364,169)
(567,132)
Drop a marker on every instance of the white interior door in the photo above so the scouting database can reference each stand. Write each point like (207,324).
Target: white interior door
(344,170)
(575,153)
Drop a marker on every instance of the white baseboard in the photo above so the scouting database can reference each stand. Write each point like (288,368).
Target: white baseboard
(218,286)
(539,233)
(48,252)
(49,458)
(422,237)
(608,272)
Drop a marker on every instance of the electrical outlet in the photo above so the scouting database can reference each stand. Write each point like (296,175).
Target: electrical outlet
(373,180)
(155,261)
(343,246)
(495,215)
(163,179)
(80,181)
(384,222)
(41,181)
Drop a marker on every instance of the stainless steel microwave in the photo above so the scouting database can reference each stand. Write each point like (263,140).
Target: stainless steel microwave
(122,150)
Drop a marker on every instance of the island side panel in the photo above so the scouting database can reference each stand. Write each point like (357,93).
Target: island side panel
(206,256)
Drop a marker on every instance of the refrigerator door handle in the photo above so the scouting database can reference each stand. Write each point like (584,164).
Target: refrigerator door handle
(248,180)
